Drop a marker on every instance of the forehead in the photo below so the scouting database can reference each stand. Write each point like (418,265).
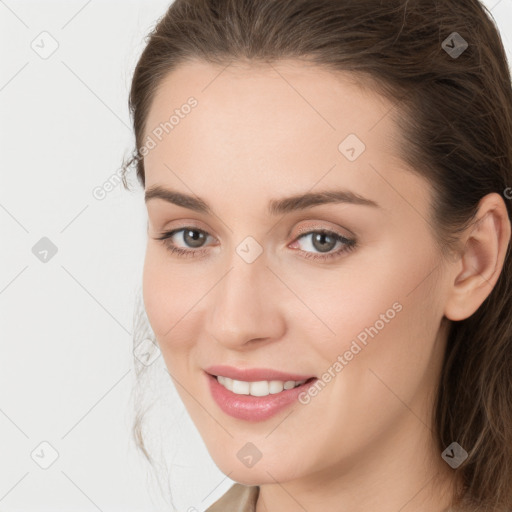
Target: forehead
(280,125)
(265,106)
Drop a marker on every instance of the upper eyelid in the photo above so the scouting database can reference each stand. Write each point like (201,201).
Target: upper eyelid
(318,225)
(313,229)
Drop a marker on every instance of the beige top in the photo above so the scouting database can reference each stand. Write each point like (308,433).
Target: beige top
(240,498)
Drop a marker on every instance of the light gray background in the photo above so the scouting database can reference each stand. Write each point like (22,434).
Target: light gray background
(66,362)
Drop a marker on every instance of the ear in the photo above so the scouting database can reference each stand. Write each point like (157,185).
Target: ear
(485,248)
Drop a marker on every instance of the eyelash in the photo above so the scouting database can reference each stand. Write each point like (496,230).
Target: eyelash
(349,244)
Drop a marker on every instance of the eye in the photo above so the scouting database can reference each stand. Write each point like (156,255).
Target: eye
(322,240)
(191,235)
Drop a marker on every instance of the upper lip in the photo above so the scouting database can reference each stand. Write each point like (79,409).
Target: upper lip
(254,374)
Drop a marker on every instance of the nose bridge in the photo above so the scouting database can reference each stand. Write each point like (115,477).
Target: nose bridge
(243,309)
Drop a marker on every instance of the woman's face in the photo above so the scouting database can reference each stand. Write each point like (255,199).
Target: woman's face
(356,311)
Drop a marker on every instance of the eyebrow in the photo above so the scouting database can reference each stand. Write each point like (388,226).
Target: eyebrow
(275,206)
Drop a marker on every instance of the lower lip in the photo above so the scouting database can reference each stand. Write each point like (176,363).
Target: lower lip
(254,408)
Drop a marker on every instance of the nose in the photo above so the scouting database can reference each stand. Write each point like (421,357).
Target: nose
(245,307)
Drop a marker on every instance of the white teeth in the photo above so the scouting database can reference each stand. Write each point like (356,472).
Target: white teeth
(275,386)
(259,388)
(240,387)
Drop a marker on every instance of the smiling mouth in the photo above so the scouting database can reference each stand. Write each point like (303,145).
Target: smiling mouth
(255,400)
(259,388)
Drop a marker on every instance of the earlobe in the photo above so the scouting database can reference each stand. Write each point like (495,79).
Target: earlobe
(482,259)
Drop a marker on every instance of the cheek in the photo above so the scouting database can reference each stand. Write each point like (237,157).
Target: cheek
(153,291)
(164,292)
(350,302)
(376,367)
(171,295)
(384,311)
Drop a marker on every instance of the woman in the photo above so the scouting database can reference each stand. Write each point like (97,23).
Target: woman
(327,273)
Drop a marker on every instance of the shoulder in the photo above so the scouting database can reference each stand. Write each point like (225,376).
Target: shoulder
(238,498)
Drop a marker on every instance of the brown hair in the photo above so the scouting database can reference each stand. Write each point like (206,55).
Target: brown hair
(456,119)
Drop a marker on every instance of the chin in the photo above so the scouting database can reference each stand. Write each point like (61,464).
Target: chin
(262,472)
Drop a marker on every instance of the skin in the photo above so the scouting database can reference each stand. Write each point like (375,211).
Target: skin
(265,132)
